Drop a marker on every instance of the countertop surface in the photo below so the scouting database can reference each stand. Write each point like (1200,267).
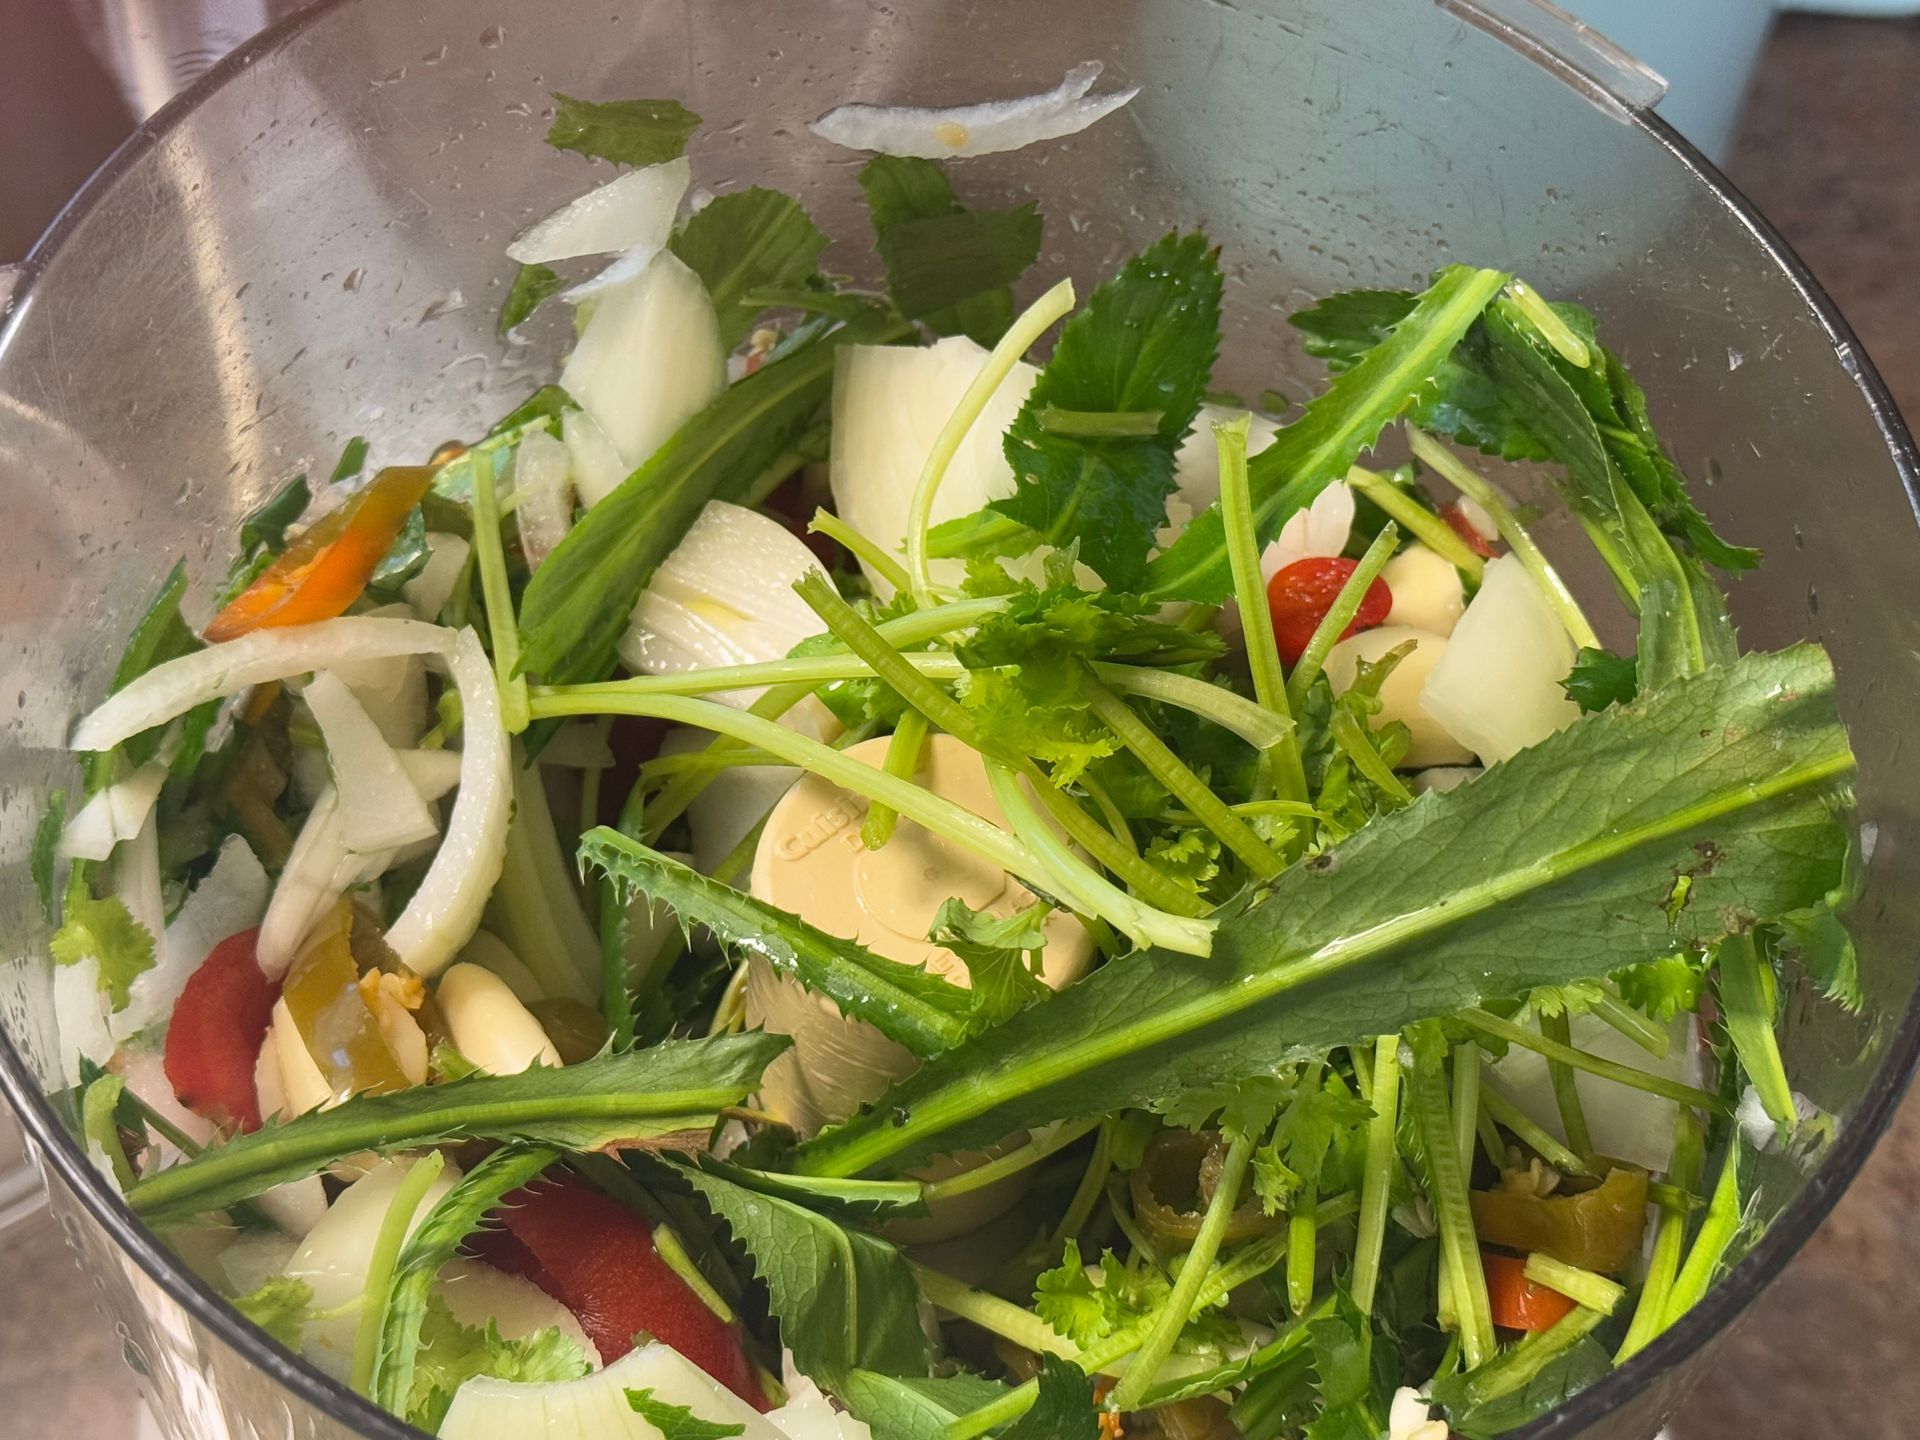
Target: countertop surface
(1830,151)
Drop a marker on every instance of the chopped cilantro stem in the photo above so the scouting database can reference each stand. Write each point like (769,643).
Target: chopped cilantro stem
(1526,1039)
(380,1265)
(1520,1366)
(1340,614)
(1066,875)
(1418,521)
(1447,1190)
(904,749)
(1103,801)
(1000,361)
(1744,994)
(943,710)
(1583,1287)
(1669,1240)
(1566,1092)
(992,1314)
(1717,1232)
(1250,594)
(863,549)
(1303,1231)
(1174,773)
(1099,424)
(1086,1194)
(1547,321)
(491,559)
(1172,1319)
(1456,472)
(1382,1158)
(1466,1100)
(1647,1034)
(1011,1163)
(1530,1134)
(906,630)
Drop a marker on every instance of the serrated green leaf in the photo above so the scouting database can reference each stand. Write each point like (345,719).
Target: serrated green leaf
(1337,426)
(616,1099)
(678,1422)
(747,241)
(908,1407)
(1001,953)
(1600,678)
(1550,868)
(845,1200)
(627,132)
(903,1002)
(1144,341)
(948,266)
(845,1299)
(281,1306)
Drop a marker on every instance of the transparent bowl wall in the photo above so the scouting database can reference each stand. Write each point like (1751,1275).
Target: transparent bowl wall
(308,247)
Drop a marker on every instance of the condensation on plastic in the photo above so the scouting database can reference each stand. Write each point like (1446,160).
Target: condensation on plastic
(308,247)
(1586,60)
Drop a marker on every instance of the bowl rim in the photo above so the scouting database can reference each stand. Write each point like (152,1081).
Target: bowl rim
(1724,1301)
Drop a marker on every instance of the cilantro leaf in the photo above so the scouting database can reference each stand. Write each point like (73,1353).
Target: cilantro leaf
(1001,953)
(281,1306)
(1247,1104)
(1064,1408)
(678,1422)
(1664,988)
(532,284)
(452,1354)
(1190,858)
(121,946)
(845,1299)
(1144,341)
(1067,1298)
(1600,678)
(627,132)
(747,241)
(947,265)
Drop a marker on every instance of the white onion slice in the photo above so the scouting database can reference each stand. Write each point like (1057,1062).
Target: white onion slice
(320,868)
(597,466)
(379,808)
(231,898)
(221,670)
(477,1293)
(85,1032)
(649,359)
(541,479)
(429,591)
(983,129)
(113,814)
(1497,689)
(724,596)
(445,911)
(1319,530)
(890,403)
(635,209)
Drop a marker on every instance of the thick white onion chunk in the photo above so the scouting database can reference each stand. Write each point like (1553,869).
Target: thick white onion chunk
(1426,589)
(890,403)
(333,1258)
(637,209)
(649,359)
(543,483)
(984,129)
(724,596)
(112,814)
(1400,696)
(1320,530)
(429,591)
(1497,689)
(596,1405)
(596,465)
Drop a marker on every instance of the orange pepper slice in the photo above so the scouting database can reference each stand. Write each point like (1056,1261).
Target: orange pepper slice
(326,569)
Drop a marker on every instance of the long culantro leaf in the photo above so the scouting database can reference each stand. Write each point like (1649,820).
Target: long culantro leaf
(1319,447)
(903,1002)
(612,1100)
(1549,869)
